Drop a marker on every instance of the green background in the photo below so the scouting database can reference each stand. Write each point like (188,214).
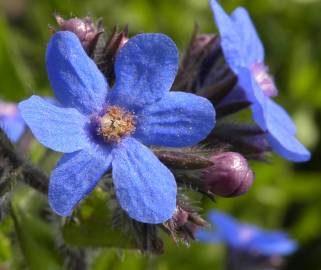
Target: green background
(284,195)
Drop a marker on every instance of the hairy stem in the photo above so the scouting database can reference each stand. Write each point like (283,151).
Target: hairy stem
(16,165)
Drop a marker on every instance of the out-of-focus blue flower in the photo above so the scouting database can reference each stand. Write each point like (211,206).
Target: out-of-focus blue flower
(244,52)
(11,121)
(98,128)
(246,237)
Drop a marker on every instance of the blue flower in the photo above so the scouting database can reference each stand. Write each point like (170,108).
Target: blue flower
(11,121)
(246,237)
(98,127)
(244,53)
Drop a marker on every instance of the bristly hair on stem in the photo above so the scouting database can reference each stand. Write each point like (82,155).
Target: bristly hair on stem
(12,164)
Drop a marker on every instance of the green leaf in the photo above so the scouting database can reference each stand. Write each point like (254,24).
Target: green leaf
(35,236)
(5,245)
(16,77)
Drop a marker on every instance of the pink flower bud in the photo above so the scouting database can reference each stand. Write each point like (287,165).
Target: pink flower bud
(84,28)
(229,175)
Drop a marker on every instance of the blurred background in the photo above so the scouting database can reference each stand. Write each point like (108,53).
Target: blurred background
(284,195)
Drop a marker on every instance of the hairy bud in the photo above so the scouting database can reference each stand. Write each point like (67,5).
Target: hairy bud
(229,175)
(84,28)
(204,70)
(249,140)
(106,55)
(184,223)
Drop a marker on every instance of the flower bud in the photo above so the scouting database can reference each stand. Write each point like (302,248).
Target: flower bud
(191,70)
(248,139)
(184,223)
(180,216)
(84,28)
(106,58)
(229,175)
(203,70)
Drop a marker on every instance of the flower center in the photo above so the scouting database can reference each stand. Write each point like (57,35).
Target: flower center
(7,109)
(115,124)
(263,78)
(246,234)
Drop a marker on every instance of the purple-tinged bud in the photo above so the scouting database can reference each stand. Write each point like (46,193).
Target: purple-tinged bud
(84,28)
(249,140)
(107,54)
(229,175)
(203,70)
(115,42)
(201,42)
(184,223)
(180,216)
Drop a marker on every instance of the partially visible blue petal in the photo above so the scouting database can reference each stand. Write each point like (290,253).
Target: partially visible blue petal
(177,120)
(243,91)
(11,121)
(252,45)
(246,237)
(74,77)
(61,129)
(276,116)
(75,176)
(259,105)
(237,95)
(226,226)
(281,134)
(247,89)
(208,236)
(287,146)
(273,243)
(144,187)
(145,70)
(252,93)
(231,41)
(14,127)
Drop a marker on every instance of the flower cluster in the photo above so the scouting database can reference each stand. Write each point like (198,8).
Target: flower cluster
(130,116)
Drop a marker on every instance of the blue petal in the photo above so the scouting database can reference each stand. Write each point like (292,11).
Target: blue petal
(248,89)
(208,236)
(273,243)
(281,131)
(145,70)
(226,226)
(288,147)
(277,116)
(231,41)
(61,129)
(178,119)
(145,188)
(253,94)
(11,121)
(243,91)
(76,175)
(74,77)
(259,105)
(235,96)
(14,127)
(251,43)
